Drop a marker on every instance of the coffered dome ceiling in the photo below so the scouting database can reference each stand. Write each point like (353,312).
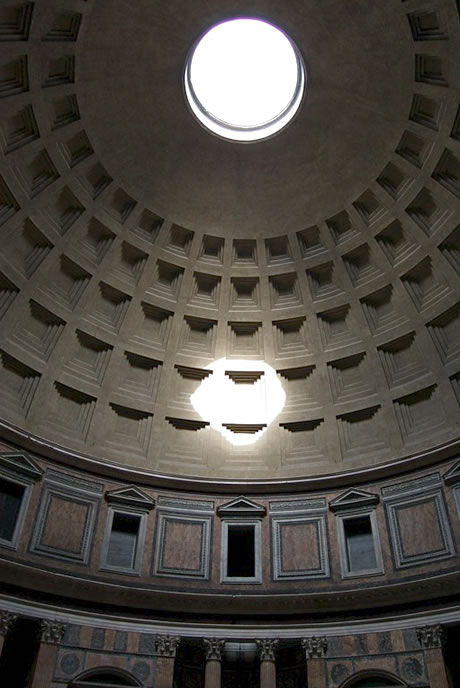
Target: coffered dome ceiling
(138,248)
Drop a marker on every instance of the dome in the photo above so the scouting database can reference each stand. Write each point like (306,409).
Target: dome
(139,248)
(216,350)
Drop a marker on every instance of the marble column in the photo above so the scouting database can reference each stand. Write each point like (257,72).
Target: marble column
(51,634)
(315,649)
(431,638)
(266,649)
(7,619)
(166,647)
(213,648)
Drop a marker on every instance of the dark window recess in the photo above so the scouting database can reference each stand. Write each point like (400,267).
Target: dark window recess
(123,541)
(11,496)
(375,683)
(105,679)
(360,544)
(241,551)
(452,654)
(19,653)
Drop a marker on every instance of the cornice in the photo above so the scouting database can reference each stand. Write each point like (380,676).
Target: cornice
(229,631)
(127,474)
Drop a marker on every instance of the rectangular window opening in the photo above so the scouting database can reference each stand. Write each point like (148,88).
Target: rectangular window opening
(241,551)
(11,495)
(360,544)
(123,541)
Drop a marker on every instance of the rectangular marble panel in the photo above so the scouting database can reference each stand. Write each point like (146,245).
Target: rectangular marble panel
(59,507)
(419,529)
(182,545)
(299,546)
(56,532)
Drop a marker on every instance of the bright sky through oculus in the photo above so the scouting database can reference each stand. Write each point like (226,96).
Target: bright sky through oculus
(244,79)
(220,400)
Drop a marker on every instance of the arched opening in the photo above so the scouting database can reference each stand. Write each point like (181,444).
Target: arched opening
(373,679)
(104,677)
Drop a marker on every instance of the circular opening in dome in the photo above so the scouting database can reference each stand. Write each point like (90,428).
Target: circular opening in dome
(240,399)
(244,79)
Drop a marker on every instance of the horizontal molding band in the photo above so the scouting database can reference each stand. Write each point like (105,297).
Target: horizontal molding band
(33,443)
(233,631)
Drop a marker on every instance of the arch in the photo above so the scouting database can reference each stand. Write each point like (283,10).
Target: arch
(105,677)
(388,679)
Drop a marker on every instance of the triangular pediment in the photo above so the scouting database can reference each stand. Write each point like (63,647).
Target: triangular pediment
(453,474)
(20,462)
(353,499)
(241,506)
(130,496)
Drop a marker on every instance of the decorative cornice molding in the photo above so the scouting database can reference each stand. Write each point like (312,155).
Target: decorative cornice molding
(266,648)
(166,645)
(20,462)
(452,477)
(430,636)
(130,496)
(213,648)
(315,647)
(331,481)
(353,499)
(242,506)
(7,619)
(380,621)
(51,631)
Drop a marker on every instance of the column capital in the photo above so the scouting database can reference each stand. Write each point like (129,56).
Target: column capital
(7,619)
(430,636)
(315,647)
(213,648)
(51,631)
(166,645)
(266,648)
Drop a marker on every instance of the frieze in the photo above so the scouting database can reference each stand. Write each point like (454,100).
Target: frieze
(187,504)
(299,505)
(408,486)
(73,481)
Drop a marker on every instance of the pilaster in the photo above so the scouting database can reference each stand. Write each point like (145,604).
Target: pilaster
(166,648)
(51,634)
(315,650)
(431,638)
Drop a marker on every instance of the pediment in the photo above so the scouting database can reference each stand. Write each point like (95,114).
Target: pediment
(241,506)
(353,499)
(453,474)
(130,496)
(21,463)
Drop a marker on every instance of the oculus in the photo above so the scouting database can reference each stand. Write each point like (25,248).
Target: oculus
(244,79)
(239,399)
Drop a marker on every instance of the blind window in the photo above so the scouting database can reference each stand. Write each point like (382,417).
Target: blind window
(360,544)
(123,541)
